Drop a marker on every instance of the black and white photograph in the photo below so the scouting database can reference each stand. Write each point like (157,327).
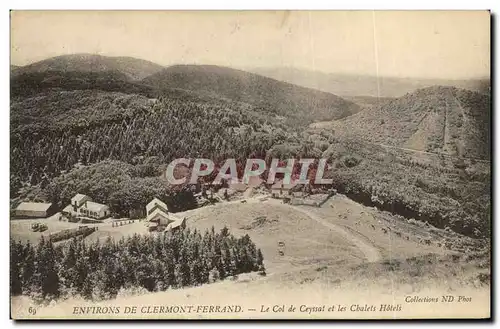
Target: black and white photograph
(290,164)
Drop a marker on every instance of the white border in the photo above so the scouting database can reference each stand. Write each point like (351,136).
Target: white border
(256,4)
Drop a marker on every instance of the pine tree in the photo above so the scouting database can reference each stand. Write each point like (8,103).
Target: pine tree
(228,262)
(67,271)
(145,273)
(15,268)
(28,268)
(47,279)
(182,269)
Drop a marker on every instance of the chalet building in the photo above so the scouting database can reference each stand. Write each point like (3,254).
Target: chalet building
(157,212)
(159,217)
(94,210)
(67,211)
(34,210)
(82,205)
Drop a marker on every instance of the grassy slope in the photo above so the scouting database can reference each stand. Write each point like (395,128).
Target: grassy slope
(436,119)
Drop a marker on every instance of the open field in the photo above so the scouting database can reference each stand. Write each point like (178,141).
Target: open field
(20,229)
(353,248)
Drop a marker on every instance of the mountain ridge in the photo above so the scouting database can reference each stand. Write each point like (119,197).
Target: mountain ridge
(366,85)
(134,68)
(279,97)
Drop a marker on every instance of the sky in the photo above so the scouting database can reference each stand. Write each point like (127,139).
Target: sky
(426,44)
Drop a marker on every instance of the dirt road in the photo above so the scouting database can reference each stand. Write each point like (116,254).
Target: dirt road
(370,251)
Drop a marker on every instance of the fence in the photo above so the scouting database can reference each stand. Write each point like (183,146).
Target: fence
(121,222)
(71,233)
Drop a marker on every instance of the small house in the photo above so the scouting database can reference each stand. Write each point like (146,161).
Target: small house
(34,210)
(94,210)
(156,205)
(157,212)
(159,217)
(82,205)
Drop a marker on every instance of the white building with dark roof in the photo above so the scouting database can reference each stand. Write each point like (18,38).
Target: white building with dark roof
(83,206)
(94,210)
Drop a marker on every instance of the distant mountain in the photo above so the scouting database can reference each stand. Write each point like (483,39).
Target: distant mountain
(364,85)
(367,101)
(301,105)
(435,119)
(132,68)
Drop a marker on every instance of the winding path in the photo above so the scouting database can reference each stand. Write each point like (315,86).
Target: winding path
(370,251)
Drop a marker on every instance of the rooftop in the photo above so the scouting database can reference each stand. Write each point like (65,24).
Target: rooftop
(177,222)
(79,197)
(156,202)
(94,206)
(34,206)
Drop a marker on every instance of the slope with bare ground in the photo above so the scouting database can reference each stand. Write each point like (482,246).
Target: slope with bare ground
(435,119)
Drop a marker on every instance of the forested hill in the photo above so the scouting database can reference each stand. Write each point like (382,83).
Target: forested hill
(297,106)
(67,113)
(31,83)
(300,105)
(132,68)
(435,119)
(53,131)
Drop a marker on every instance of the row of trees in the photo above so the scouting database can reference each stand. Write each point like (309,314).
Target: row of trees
(154,262)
